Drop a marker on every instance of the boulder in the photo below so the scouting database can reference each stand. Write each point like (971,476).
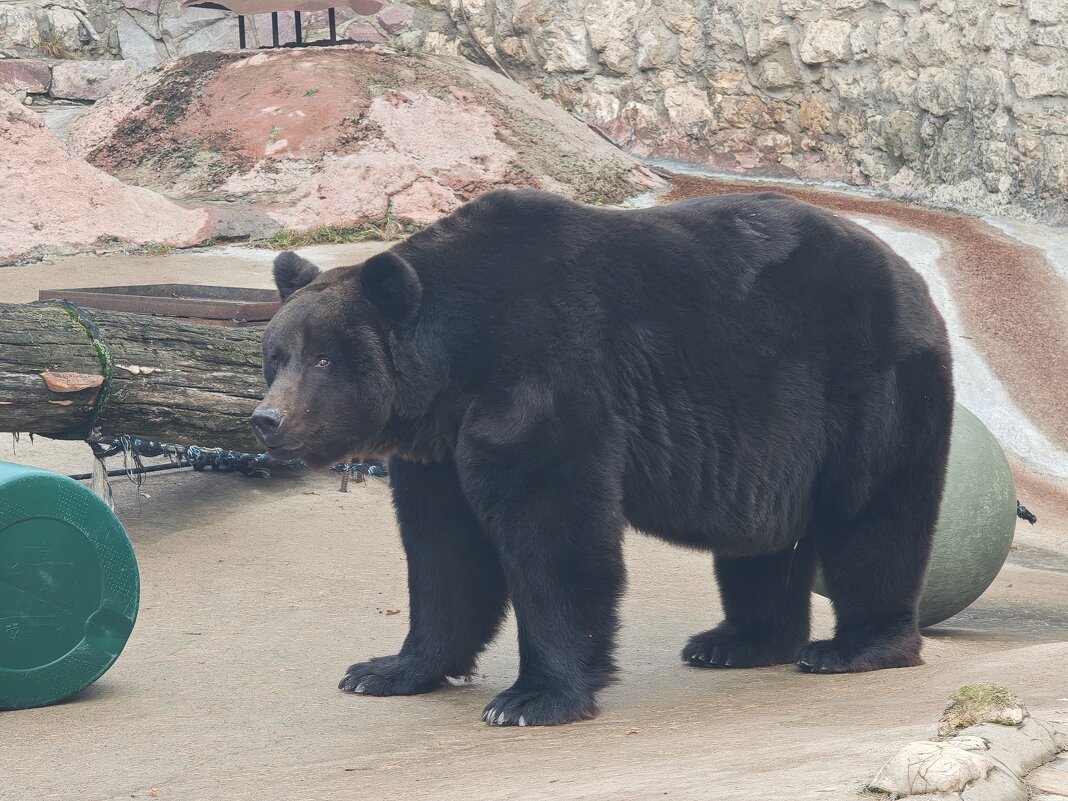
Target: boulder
(345,136)
(24,75)
(53,198)
(395,18)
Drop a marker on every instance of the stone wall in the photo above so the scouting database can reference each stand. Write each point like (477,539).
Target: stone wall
(963,101)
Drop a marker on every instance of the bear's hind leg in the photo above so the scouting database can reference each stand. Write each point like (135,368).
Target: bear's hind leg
(766,603)
(874,564)
(456,587)
(873,568)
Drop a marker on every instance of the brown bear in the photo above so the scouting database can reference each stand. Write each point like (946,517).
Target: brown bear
(745,374)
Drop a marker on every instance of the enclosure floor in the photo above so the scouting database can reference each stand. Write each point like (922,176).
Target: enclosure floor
(257,594)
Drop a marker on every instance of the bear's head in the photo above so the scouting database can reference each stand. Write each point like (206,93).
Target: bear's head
(331,380)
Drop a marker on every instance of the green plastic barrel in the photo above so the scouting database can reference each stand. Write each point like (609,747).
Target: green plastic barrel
(975,524)
(69,587)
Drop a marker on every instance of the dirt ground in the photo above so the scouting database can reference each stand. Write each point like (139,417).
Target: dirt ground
(256,594)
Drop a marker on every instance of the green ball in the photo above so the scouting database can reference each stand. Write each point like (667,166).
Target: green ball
(975,524)
(69,587)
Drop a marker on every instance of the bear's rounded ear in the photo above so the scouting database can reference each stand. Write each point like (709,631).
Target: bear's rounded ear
(391,285)
(291,272)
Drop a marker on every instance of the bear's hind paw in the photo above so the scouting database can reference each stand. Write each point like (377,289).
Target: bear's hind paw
(724,649)
(857,655)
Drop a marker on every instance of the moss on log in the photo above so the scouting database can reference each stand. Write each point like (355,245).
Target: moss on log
(171,381)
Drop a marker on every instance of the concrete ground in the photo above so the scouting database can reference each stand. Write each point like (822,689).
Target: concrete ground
(256,594)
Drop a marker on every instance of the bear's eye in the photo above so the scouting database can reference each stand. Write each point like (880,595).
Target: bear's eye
(323,362)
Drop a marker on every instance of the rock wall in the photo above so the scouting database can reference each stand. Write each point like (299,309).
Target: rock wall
(963,101)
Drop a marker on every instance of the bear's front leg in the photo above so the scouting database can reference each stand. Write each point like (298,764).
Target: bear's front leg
(455,585)
(558,529)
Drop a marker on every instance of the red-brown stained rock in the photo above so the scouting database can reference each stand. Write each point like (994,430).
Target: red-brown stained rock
(395,18)
(25,75)
(365,33)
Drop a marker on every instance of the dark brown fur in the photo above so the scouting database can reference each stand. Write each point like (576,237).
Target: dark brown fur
(747,375)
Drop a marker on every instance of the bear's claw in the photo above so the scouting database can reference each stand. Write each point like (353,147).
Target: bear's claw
(389,675)
(537,708)
(722,649)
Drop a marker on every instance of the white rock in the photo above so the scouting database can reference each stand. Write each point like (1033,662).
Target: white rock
(565,47)
(774,75)
(686,106)
(600,102)
(220,36)
(19,34)
(193,19)
(764,40)
(657,47)
(136,44)
(89,80)
(1048,12)
(795,8)
(1033,80)
(825,40)
(941,92)
(926,767)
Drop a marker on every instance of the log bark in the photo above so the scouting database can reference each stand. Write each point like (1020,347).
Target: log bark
(171,381)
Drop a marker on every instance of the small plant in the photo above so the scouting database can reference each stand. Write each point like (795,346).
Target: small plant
(53,47)
(981,703)
(157,249)
(384,231)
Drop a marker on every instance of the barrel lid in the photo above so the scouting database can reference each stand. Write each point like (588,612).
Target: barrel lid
(69,587)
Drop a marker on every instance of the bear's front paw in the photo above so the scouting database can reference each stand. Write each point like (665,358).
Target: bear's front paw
(518,707)
(390,675)
(724,648)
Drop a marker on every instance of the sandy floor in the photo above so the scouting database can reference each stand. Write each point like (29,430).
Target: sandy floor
(258,593)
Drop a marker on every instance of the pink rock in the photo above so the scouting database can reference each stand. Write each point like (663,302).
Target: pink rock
(25,75)
(395,18)
(364,32)
(53,198)
(366,7)
(424,202)
(306,136)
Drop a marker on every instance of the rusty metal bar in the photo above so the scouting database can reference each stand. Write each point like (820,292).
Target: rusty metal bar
(217,305)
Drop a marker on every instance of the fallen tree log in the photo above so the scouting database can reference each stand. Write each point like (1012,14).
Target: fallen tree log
(65,370)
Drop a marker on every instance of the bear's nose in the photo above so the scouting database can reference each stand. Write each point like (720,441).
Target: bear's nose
(266,423)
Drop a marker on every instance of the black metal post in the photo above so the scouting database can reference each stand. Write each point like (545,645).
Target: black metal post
(241,30)
(333,24)
(296,25)
(274,27)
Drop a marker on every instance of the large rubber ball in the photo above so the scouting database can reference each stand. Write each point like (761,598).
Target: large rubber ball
(975,525)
